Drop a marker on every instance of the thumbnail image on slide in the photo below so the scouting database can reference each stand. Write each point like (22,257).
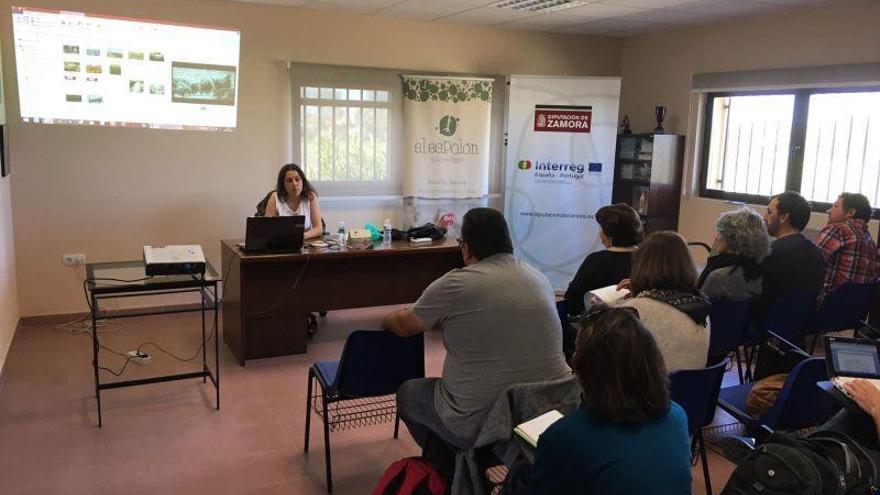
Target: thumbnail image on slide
(202,83)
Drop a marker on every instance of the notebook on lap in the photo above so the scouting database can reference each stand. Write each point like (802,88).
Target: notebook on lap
(274,234)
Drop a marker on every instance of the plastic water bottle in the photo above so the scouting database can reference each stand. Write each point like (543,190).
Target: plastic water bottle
(386,232)
(340,233)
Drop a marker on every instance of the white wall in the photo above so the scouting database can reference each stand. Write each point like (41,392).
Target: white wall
(656,70)
(106,192)
(9,312)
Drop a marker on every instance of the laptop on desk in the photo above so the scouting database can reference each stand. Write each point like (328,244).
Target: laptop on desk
(274,235)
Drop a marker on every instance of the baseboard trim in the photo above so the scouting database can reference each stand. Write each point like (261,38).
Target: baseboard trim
(56,319)
(15,333)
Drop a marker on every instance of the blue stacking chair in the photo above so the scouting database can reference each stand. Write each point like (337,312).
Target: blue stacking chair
(696,391)
(786,317)
(359,388)
(846,307)
(800,404)
(728,322)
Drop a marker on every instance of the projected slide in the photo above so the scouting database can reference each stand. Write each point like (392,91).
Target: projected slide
(76,68)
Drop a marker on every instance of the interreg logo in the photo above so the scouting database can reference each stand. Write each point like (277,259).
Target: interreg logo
(549,171)
(448,125)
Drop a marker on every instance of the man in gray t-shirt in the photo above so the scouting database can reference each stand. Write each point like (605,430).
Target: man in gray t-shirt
(499,326)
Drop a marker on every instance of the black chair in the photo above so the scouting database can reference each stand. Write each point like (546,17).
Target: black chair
(261,206)
(358,389)
(703,245)
(786,317)
(845,308)
(696,391)
(800,404)
(729,321)
(569,333)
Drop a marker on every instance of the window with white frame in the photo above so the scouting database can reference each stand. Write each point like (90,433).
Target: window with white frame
(344,133)
(347,129)
(820,142)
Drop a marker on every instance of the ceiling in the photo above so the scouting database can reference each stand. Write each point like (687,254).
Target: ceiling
(615,18)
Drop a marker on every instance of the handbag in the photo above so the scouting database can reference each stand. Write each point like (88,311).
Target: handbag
(427,230)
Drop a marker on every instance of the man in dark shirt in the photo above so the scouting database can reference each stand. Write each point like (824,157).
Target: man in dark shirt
(794,261)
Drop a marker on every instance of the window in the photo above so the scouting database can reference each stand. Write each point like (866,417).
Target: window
(820,142)
(344,133)
(346,128)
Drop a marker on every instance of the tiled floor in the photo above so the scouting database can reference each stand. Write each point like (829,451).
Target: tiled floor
(167,438)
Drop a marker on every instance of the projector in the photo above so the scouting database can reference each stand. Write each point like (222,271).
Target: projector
(174,260)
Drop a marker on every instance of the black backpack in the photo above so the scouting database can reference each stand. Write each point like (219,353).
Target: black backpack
(825,463)
(859,465)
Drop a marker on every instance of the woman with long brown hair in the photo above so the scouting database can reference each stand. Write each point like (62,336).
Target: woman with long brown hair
(663,284)
(294,195)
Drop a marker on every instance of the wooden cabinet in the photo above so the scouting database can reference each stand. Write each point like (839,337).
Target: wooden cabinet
(647,176)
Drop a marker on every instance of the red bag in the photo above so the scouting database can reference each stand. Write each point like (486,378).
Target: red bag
(411,476)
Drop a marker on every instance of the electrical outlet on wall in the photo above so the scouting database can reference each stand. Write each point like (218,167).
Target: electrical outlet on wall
(73,259)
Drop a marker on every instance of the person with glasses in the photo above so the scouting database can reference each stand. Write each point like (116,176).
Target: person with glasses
(498,321)
(733,271)
(628,436)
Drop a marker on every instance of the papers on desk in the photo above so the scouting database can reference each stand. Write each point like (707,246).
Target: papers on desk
(531,430)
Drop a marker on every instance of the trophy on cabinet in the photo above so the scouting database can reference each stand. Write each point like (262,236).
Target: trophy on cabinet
(626,131)
(660,115)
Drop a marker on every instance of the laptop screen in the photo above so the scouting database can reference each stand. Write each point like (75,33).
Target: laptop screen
(274,234)
(855,359)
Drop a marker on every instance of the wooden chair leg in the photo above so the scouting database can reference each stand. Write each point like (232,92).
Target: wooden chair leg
(327,445)
(308,411)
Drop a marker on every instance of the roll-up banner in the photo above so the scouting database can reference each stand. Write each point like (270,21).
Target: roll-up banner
(446,136)
(560,168)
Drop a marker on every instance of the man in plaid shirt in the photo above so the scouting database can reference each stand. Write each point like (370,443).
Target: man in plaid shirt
(849,252)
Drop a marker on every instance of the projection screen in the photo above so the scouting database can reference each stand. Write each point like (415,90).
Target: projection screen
(78,68)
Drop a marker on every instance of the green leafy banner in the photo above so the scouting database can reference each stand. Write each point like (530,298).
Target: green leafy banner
(448,90)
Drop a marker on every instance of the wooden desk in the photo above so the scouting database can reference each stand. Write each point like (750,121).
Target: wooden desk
(264,306)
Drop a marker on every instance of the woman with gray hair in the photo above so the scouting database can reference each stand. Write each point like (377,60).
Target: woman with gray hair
(733,271)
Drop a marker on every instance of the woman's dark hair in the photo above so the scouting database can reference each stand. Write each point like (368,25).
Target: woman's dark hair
(858,202)
(663,262)
(621,224)
(307,190)
(620,368)
(484,230)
